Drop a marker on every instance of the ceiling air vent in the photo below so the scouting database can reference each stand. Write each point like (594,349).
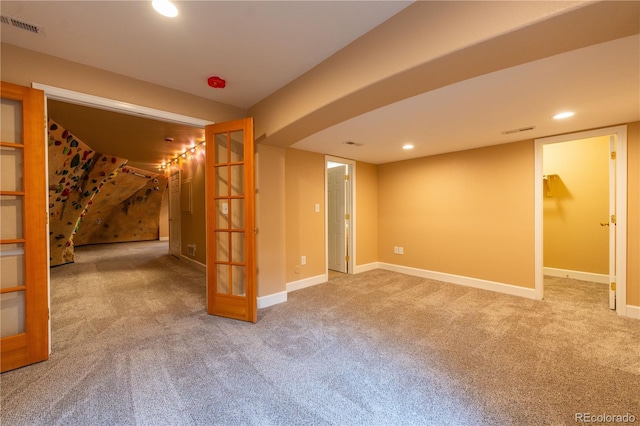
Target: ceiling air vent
(14,22)
(521,129)
(352,143)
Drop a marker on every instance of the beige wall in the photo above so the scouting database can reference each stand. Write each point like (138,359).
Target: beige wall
(366,213)
(305,233)
(193,224)
(21,66)
(270,219)
(633,214)
(576,201)
(466,213)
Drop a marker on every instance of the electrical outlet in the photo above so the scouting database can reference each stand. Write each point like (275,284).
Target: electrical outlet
(395,250)
(303,260)
(400,250)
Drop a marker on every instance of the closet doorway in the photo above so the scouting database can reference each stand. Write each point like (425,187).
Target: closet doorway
(339,216)
(554,200)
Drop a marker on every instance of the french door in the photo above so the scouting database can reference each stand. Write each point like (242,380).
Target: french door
(231,241)
(24,302)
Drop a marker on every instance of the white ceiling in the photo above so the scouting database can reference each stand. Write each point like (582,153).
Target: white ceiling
(260,46)
(600,83)
(256,46)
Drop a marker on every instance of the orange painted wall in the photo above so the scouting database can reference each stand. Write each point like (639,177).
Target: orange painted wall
(575,203)
(366,213)
(305,233)
(466,213)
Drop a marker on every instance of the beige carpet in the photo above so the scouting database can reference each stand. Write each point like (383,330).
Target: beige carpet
(132,344)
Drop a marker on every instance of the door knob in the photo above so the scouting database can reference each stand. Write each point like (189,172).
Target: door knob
(604,223)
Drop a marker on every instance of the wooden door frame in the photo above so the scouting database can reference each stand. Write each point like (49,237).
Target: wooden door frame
(351,207)
(620,132)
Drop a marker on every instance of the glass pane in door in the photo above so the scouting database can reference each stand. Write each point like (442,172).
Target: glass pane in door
(237,213)
(222,278)
(12,313)
(238,247)
(222,213)
(11,124)
(10,168)
(221,148)
(239,280)
(237,147)
(221,180)
(237,180)
(222,246)
(11,265)
(11,213)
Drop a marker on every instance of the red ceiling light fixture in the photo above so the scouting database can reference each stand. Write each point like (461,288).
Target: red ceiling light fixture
(216,82)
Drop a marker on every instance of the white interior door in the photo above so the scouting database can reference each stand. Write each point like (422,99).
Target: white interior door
(337,218)
(612,223)
(174,214)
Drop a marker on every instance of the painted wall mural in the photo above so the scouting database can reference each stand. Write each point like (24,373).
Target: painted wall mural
(81,180)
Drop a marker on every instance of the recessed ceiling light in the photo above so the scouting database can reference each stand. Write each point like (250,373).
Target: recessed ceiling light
(562,115)
(407,146)
(165,7)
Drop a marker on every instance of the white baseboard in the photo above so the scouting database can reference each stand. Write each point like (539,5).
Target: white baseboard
(307,282)
(366,267)
(281,297)
(577,275)
(513,290)
(272,299)
(199,265)
(633,312)
(163,238)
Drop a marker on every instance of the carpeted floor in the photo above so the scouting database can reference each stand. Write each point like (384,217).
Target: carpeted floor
(132,344)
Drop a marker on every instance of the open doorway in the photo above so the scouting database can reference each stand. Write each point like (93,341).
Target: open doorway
(98,103)
(580,210)
(339,219)
(576,222)
(137,135)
